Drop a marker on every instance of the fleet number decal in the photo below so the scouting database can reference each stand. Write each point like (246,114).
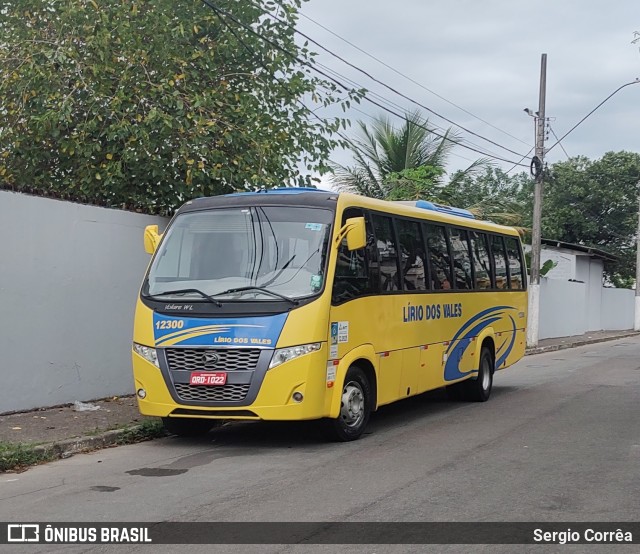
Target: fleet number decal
(170,324)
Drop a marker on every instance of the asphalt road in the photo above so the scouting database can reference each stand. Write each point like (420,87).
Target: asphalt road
(559,440)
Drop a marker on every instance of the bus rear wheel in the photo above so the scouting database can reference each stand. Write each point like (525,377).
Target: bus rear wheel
(355,407)
(479,389)
(187,426)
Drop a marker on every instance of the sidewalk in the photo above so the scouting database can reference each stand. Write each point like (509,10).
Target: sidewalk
(63,431)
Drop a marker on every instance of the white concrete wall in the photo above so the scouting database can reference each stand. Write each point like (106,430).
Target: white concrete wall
(69,278)
(582,269)
(566,263)
(570,308)
(594,295)
(563,310)
(618,308)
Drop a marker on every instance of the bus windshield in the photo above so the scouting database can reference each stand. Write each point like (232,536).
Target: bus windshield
(268,252)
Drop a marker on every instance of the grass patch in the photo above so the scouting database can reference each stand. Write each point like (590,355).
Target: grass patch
(15,456)
(19,456)
(147,430)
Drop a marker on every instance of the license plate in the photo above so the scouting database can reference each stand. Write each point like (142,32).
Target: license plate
(207,378)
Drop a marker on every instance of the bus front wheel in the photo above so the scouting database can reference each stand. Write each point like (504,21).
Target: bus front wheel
(187,426)
(355,407)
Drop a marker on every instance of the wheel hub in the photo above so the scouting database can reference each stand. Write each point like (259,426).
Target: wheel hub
(352,407)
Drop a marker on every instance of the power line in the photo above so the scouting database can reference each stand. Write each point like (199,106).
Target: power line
(412,80)
(305,107)
(389,87)
(594,109)
(340,84)
(373,118)
(520,162)
(561,146)
(393,105)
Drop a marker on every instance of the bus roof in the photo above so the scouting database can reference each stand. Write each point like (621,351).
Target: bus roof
(327,199)
(421,209)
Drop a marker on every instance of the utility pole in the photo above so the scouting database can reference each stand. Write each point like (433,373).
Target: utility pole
(537,167)
(636,321)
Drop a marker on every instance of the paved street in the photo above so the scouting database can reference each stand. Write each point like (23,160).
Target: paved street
(558,441)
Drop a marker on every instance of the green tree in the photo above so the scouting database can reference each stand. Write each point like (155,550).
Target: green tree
(401,163)
(493,195)
(595,203)
(144,104)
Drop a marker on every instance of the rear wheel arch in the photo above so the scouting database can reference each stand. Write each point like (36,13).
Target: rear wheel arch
(489,343)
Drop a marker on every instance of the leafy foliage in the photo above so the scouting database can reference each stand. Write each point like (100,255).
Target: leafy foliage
(595,203)
(144,104)
(402,163)
(414,183)
(493,195)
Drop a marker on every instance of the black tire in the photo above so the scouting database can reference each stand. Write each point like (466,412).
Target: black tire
(478,389)
(355,408)
(187,426)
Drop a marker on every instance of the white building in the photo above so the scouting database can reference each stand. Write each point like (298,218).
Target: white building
(573,300)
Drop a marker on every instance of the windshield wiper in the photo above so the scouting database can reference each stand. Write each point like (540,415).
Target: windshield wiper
(261,289)
(185,291)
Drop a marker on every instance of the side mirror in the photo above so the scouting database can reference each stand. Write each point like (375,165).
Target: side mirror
(151,238)
(356,233)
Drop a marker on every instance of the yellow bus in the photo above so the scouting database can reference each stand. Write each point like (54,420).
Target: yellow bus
(301,304)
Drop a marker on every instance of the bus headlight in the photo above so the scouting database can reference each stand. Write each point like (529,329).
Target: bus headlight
(147,353)
(282,355)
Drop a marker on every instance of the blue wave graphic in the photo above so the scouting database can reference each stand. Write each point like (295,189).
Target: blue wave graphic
(460,343)
(504,356)
(480,315)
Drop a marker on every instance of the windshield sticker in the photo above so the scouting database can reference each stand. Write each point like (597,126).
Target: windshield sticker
(316,282)
(314,226)
(233,331)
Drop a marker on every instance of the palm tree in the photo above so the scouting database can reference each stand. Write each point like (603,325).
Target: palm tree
(384,153)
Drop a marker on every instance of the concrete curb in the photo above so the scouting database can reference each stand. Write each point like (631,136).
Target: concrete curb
(575,344)
(69,447)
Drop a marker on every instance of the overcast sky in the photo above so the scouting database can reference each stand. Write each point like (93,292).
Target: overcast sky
(484,56)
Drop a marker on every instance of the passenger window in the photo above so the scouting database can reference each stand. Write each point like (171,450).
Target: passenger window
(515,263)
(499,261)
(412,258)
(387,253)
(481,262)
(439,261)
(354,276)
(461,259)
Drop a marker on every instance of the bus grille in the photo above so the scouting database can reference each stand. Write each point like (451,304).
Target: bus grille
(223,393)
(192,359)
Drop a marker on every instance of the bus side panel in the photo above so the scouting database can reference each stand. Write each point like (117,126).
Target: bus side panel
(390,377)
(410,372)
(431,368)
(499,315)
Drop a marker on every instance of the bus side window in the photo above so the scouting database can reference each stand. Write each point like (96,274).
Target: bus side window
(461,259)
(439,261)
(499,261)
(412,258)
(481,262)
(354,275)
(515,263)
(387,253)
